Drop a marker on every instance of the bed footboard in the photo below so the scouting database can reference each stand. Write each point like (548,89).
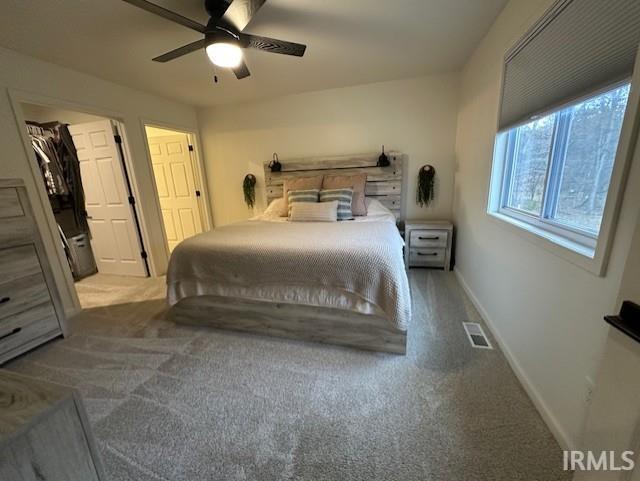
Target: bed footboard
(310,323)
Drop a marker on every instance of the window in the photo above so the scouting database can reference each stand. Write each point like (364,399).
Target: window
(555,170)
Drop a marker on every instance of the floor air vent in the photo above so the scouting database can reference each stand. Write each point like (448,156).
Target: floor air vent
(476,335)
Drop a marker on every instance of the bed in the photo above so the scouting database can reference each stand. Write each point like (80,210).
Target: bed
(340,282)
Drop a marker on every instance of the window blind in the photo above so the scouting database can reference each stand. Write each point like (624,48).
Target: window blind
(577,47)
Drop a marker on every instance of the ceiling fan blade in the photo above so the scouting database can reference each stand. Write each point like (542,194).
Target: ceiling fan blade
(273,45)
(168,14)
(240,12)
(241,71)
(180,51)
(216,8)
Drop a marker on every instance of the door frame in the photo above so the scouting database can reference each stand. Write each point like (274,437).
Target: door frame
(17,98)
(199,171)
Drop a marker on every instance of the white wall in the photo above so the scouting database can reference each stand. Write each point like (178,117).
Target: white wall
(38,113)
(416,117)
(613,422)
(28,79)
(546,311)
(158,132)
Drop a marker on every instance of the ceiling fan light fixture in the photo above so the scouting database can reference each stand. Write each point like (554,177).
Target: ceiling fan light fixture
(223,36)
(224,54)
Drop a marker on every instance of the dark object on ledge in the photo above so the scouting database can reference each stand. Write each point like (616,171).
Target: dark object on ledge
(275,164)
(628,321)
(249,190)
(426,181)
(383,160)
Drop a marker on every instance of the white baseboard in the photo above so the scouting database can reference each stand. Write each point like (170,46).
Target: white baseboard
(554,426)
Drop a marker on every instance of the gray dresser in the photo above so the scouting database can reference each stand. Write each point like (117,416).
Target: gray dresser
(428,244)
(30,308)
(44,433)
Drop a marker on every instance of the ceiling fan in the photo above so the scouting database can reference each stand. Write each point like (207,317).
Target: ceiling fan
(223,37)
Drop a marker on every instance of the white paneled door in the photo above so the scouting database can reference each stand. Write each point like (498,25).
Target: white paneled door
(175,180)
(114,238)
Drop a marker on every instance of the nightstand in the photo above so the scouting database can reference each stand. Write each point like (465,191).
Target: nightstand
(428,244)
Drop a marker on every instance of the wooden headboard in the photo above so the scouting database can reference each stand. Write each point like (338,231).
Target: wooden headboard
(383,183)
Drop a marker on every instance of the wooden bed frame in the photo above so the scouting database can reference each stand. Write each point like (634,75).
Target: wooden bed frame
(312,323)
(383,183)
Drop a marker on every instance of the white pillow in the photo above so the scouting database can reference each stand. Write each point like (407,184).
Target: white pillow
(275,206)
(375,207)
(314,212)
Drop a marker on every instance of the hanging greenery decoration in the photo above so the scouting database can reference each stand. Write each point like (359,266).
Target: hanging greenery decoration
(249,190)
(426,181)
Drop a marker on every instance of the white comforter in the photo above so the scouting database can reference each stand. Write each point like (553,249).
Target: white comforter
(355,266)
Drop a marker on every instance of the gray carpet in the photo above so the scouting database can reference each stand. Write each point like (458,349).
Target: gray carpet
(178,403)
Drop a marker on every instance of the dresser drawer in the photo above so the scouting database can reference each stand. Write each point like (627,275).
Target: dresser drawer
(428,238)
(22,294)
(31,311)
(428,257)
(27,326)
(17,262)
(16,231)
(10,205)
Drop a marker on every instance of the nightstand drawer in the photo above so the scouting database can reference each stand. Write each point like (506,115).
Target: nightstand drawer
(428,257)
(429,238)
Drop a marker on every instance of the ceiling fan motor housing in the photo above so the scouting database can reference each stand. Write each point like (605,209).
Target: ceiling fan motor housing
(217,32)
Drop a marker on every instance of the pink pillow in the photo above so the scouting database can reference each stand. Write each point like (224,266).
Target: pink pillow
(357,182)
(298,183)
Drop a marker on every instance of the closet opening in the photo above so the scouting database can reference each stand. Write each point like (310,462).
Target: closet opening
(179,180)
(81,159)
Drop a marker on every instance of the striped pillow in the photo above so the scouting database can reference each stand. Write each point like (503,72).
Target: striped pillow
(344,197)
(309,195)
(314,212)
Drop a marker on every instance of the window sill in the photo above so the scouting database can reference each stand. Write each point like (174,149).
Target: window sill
(574,252)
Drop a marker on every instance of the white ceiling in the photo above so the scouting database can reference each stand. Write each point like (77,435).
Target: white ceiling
(349,42)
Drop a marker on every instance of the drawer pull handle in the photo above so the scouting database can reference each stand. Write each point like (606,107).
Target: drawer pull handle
(436,237)
(15,331)
(4,300)
(427,253)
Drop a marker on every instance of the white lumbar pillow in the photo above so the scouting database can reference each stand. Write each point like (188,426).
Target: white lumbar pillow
(314,211)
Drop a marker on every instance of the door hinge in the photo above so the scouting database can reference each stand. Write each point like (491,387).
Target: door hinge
(117,138)
(197,193)
(191,148)
(143,254)
(132,200)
